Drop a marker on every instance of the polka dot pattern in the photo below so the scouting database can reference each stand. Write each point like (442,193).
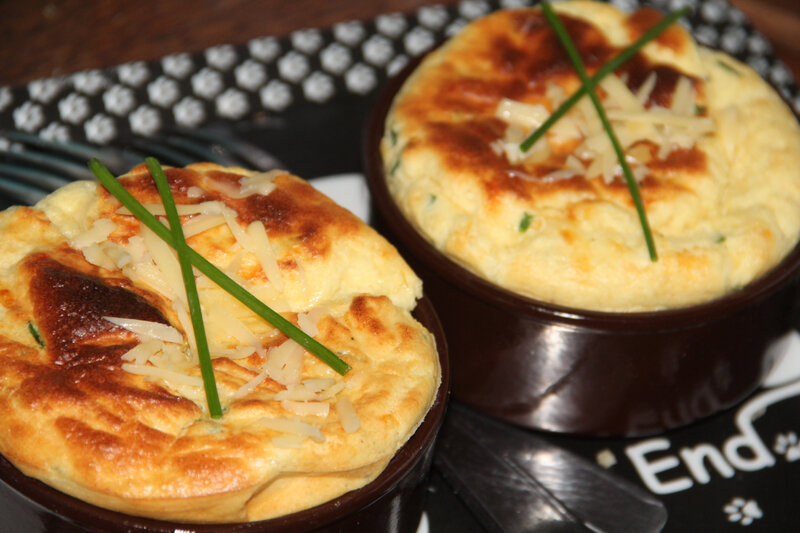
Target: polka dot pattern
(271,74)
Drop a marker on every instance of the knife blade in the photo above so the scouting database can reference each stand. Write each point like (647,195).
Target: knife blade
(517,481)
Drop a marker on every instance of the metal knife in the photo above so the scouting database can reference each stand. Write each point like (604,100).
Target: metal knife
(516,481)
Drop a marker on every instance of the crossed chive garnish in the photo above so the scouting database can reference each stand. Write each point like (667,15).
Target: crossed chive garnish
(187,257)
(588,87)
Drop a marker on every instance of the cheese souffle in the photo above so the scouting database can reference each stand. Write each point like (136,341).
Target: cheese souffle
(100,386)
(713,148)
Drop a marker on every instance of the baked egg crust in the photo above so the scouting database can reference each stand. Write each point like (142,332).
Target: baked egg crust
(714,149)
(117,416)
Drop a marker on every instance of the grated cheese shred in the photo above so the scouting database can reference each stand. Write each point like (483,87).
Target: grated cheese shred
(634,122)
(259,243)
(169,376)
(347,415)
(168,354)
(147,329)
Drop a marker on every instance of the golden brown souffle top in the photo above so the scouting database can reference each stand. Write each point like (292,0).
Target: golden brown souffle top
(719,176)
(119,433)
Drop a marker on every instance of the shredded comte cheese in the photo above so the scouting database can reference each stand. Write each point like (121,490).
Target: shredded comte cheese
(201,223)
(251,385)
(285,363)
(165,374)
(147,329)
(259,243)
(168,353)
(262,184)
(347,415)
(98,233)
(678,127)
(141,353)
(166,262)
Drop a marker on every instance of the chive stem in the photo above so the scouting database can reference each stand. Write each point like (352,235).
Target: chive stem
(612,65)
(575,57)
(192,298)
(216,275)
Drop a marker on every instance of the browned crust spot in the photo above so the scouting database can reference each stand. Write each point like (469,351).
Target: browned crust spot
(454,107)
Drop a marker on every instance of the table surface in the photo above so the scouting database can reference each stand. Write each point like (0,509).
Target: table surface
(45,38)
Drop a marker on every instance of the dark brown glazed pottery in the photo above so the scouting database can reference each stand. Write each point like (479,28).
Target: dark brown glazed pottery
(569,370)
(392,502)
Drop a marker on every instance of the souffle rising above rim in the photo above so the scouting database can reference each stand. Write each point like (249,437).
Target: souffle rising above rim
(100,384)
(714,150)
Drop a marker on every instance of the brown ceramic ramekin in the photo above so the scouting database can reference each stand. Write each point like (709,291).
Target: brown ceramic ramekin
(569,370)
(393,502)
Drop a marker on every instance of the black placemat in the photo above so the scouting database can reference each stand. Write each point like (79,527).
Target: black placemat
(273,77)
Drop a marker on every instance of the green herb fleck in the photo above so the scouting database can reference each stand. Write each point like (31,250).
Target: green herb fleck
(394,167)
(700,109)
(720,239)
(729,68)
(393,136)
(431,199)
(36,335)
(525,222)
